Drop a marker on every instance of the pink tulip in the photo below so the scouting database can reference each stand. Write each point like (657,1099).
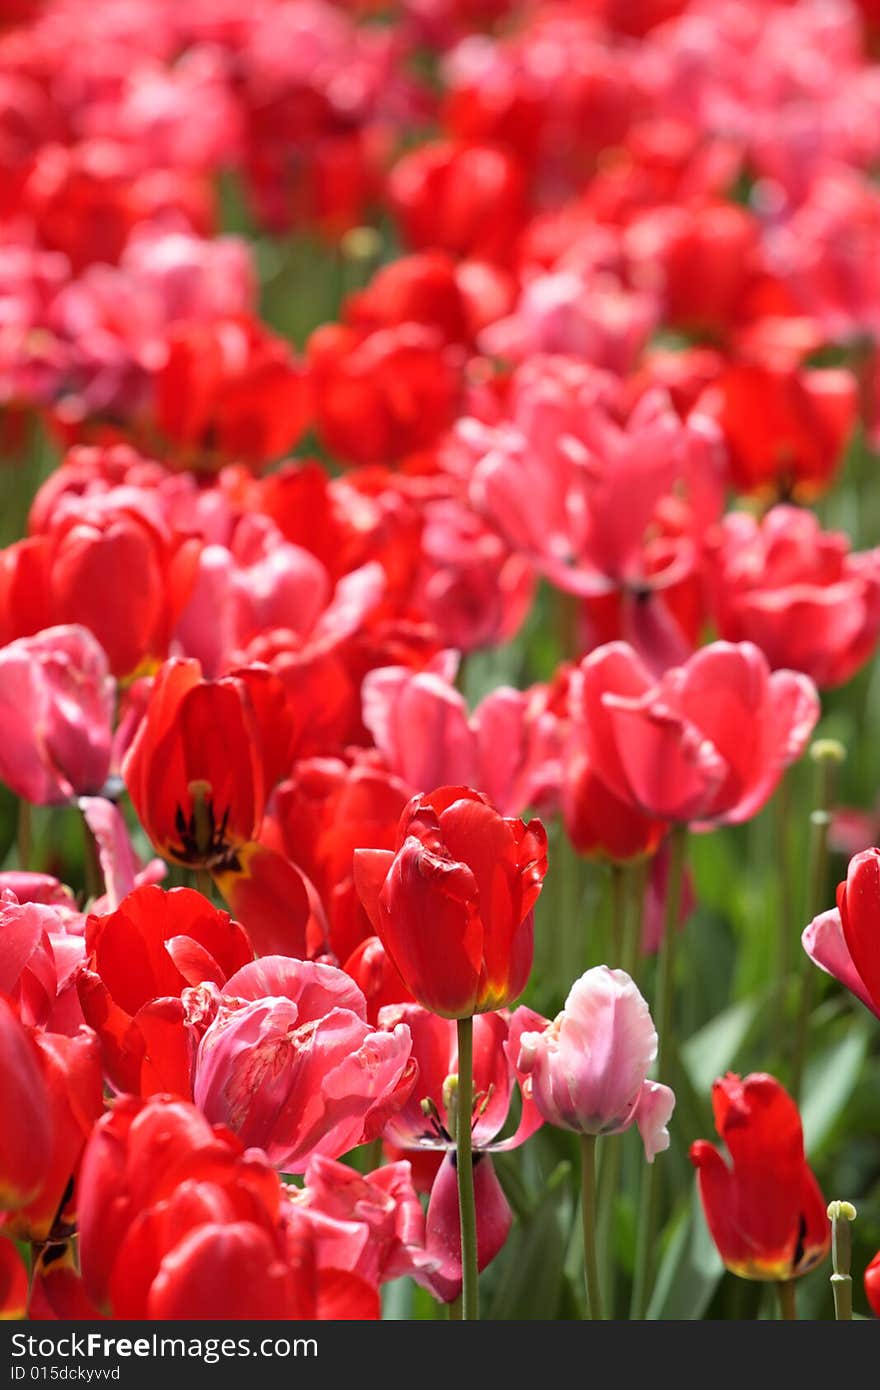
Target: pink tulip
(379,1223)
(290,1064)
(797,592)
(708,742)
(435,1051)
(56,708)
(421,725)
(588,1068)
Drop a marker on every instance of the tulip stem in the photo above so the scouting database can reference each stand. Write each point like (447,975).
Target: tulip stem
(826,755)
(649,1197)
(636,886)
(204,883)
(465,1168)
(25,839)
(786,926)
(94,875)
(841,1215)
(618,911)
(785,1290)
(588,1215)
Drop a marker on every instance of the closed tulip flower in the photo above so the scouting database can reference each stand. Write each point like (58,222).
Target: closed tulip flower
(56,703)
(844,942)
(587,1070)
(764,1209)
(453,906)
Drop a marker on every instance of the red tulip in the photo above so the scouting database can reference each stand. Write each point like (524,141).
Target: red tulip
(844,942)
(453,906)
(382,395)
(142,958)
(766,1213)
(796,591)
(465,199)
(199,770)
(26,1135)
(230,390)
(424,1121)
(177,1221)
(329,808)
(106,565)
(785,428)
(13,1283)
(74,1100)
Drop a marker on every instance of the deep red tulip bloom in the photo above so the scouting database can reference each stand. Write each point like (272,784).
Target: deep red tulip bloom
(785,429)
(26,1133)
(796,591)
(380,396)
(204,759)
(74,1091)
(872,1284)
(141,959)
(178,1221)
(466,199)
(453,906)
(13,1283)
(230,391)
(329,808)
(766,1213)
(599,823)
(845,942)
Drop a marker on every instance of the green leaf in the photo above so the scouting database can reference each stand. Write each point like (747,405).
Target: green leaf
(714,1048)
(830,1081)
(530,1284)
(690,1269)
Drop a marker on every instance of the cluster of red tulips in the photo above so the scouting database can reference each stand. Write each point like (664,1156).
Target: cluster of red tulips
(437,455)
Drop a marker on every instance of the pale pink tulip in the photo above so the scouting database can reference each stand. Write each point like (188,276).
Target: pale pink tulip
(588,1068)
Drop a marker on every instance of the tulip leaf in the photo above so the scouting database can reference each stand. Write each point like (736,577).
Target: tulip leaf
(830,1081)
(529,1279)
(714,1048)
(690,1270)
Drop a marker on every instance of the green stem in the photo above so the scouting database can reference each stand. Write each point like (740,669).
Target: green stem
(467,1212)
(588,1216)
(609,1181)
(204,883)
(785,1292)
(94,875)
(826,754)
(649,1198)
(841,1215)
(618,911)
(25,839)
(787,922)
(636,876)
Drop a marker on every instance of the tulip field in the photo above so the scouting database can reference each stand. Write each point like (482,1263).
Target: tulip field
(439,679)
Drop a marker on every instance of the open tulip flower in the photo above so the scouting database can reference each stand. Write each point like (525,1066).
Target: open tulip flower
(439,641)
(764,1210)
